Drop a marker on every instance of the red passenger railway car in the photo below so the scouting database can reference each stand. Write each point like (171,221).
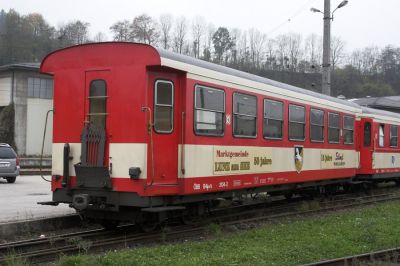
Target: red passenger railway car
(138,130)
(378,145)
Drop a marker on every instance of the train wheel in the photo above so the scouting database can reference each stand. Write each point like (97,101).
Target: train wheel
(190,218)
(148,222)
(192,214)
(288,195)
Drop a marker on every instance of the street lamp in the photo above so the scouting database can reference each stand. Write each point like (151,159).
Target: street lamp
(316,10)
(342,4)
(326,62)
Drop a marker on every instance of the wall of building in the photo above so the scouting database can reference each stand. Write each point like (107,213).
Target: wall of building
(5,90)
(20,105)
(36,119)
(30,116)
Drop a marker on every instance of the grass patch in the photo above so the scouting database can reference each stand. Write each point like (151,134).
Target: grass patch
(290,242)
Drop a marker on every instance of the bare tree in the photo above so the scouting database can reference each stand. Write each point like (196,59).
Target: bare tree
(76,32)
(257,41)
(100,37)
(235,36)
(121,31)
(294,50)
(180,32)
(370,60)
(271,55)
(144,29)
(282,46)
(198,29)
(207,51)
(355,59)
(165,29)
(337,51)
(312,50)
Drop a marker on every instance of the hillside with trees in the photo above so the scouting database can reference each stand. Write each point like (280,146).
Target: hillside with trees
(289,57)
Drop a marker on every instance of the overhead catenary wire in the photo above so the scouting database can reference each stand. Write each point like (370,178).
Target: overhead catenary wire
(295,14)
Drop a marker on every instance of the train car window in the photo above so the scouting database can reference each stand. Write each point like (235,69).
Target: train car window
(244,115)
(367,134)
(209,111)
(381,140)
(98,103)
(348,129)
(164,106)
(317,121)
(273,119)
(297,122)
(393,135)
(333,128)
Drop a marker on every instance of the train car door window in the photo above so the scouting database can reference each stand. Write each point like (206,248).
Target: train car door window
(164,106)
(381,140)
(98,103)
(367,134)
(317,121)
(273,119)
(348,129)
(244,115)
(333,128)
(393,135)
(297,122)
(209,111)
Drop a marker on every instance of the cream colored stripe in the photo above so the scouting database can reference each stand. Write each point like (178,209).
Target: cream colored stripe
(58,157)
(385,160)
(199,160)
(123,156)
(126,155)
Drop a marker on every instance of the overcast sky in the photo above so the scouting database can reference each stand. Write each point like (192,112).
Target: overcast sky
(361,23)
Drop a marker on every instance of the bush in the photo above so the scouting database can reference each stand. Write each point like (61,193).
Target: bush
(7,125)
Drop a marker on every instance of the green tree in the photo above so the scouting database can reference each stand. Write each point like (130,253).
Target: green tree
(144,29)
(374,89)
(7,125)
(222,43)
(121,31)
(24,38)
(73,33)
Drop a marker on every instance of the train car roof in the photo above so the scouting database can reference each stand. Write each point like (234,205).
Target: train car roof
(196,69)
(380,114)
(190,61)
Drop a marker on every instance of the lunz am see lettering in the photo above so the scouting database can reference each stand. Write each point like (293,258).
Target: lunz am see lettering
(239,160)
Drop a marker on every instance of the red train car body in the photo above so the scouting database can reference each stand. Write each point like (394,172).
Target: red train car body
(137,128)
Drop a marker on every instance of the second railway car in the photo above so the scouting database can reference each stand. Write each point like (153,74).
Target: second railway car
(139,130)
(378,145)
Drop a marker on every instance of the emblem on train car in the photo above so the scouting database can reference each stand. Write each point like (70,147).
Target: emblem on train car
(298,158)
(228,119)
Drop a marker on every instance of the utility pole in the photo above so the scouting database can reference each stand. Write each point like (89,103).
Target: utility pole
(326,53)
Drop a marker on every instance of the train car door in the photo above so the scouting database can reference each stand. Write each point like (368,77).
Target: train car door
(98,88)
(164,94)
(366,144)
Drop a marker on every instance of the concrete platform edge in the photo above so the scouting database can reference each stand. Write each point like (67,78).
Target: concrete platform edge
(39,226)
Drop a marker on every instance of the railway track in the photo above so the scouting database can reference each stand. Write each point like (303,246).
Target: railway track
(382,257)
(47,249)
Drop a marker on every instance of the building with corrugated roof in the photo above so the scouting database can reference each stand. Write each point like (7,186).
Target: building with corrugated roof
(31,93)
(387,103)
